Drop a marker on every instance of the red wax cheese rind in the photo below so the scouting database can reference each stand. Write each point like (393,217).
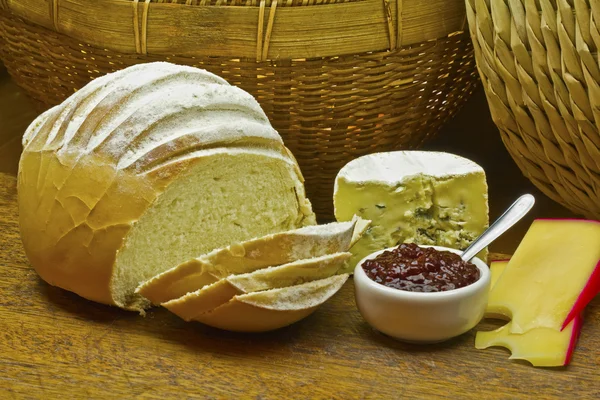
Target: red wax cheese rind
(576,324)
(542,347)
(590,291)
(551,277)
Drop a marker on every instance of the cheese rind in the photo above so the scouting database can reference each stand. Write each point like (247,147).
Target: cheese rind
(549,271)
(428,198)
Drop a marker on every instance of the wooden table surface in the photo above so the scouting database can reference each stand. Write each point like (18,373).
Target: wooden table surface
(54,344)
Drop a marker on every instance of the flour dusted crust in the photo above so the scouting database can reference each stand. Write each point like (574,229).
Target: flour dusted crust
(291,274)
(272,309)
(93,165)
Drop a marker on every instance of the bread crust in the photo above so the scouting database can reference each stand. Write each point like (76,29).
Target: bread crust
(272,309)
(93,165)
(290,274)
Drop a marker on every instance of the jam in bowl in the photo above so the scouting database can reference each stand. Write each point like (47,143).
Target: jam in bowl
(420,269)
(421,293)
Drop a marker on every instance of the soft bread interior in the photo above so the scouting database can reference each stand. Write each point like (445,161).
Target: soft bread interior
(226,197)
(248,256)
(218,293)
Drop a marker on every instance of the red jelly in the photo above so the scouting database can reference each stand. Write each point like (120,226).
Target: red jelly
(420,269)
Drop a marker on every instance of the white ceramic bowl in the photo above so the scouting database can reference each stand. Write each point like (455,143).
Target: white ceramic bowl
(421,317)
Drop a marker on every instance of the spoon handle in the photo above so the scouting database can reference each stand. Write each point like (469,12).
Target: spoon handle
(510,217)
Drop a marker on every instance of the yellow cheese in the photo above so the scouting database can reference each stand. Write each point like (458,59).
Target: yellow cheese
(496,269)
(543,290)
(544,284)
(428,198)
(542,347)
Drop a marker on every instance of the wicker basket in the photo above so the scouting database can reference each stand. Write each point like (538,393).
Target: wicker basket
(338,79)
(538,61)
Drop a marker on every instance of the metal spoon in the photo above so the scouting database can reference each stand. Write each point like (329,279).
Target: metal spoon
(510,217)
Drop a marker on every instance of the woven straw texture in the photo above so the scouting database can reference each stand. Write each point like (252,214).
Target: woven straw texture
(538,61)
(380,75)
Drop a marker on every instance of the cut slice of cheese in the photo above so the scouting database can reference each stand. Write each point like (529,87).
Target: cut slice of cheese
(272,309)
(428,198)
(210,297)
(542,347)
(551,277)
(544,289)
(496,270)
(266,251)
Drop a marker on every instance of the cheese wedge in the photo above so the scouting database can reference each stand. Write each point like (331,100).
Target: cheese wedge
(544,289)
(428,198)
(496,269)
(212,296)
(272,309)
(251,255)
(542,347)
(551,277)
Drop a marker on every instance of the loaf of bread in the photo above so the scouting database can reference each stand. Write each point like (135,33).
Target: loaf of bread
(144,169)
(240,258)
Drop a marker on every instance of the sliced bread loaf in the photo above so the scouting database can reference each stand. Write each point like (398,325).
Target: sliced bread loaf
(144,169)
(251,255)
(220,292)
(272,309)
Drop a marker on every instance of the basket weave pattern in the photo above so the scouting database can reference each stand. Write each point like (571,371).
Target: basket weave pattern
(328,110)
(538,61)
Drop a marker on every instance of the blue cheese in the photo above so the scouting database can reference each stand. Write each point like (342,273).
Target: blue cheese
(429,198)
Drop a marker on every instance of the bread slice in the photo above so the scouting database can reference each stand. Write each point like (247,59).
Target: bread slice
(145,168)
(244,257)
(220,292)
(272,309)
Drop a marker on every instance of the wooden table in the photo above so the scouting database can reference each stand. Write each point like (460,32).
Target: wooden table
(54,344)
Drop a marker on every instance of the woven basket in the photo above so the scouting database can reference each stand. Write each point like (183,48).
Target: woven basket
(538,60)
(338,79)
